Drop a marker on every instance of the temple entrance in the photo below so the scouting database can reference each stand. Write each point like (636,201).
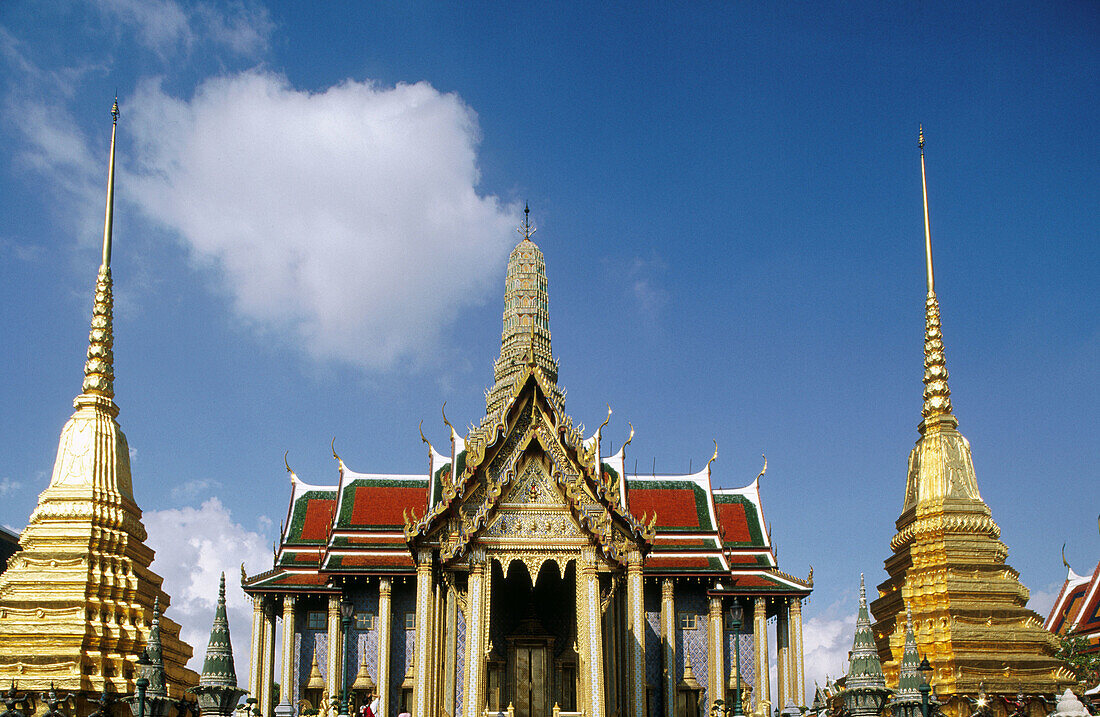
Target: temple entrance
(532,665)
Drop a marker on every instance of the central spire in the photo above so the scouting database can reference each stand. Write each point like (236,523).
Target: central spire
(525,337)
(937,395)
(99,371)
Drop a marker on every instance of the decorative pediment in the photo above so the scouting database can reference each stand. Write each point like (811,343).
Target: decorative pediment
(536,459)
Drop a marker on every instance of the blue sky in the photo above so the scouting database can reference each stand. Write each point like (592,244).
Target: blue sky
(316,204)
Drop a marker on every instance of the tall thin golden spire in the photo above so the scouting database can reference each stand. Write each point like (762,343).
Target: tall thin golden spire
(99,372)
(927,227)
(937,395)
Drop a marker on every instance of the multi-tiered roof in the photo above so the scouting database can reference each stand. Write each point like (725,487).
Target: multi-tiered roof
(366,523)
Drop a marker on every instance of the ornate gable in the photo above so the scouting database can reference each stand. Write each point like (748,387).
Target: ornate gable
(529,475)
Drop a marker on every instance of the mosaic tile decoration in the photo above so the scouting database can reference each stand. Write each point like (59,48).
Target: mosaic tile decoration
(365,641)
(651,600)
(460,659)
(402,600)
(748,669)
(691,598)
(297,686)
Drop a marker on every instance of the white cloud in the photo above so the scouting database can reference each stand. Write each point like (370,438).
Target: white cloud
(192,489)
(193,547)
(1041,601)
(348,219)
(166,27)
(9,486)
(826,641)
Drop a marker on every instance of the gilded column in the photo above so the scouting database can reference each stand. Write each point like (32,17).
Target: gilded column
(423,639)
(717,686)
(782,657)
(286,686)
(475,651)
(760,657)
(384,631)
(594,627)
(636,623)
(797,670)
(267,692)
(256,654)
(333,682)
(668,642)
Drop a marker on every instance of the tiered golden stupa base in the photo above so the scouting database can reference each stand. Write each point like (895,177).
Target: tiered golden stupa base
(75,607)
(968,611)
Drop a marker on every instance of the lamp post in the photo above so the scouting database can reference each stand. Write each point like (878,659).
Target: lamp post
(347,611)
(925,672)
(735,621)
(143,662)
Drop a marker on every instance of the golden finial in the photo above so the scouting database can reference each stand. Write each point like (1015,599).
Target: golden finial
(527,228)
(605,421)
(285,463)
(630,437)
(99,371)
(1064,561)
(423,438)
(714,457)
(764,469)
(927,226)
(443,410)
(937,394)
(338,460)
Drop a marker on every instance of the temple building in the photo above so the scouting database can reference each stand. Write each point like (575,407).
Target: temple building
(1076,614)
(77,601)
(524,571)
(948,563)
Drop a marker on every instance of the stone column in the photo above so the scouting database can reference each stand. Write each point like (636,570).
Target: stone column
(717,686)
(594,627)
(256,654)
(385,629)
(267,691)
(423,640)
(782,657)
(286,685)
(797,670)
(475,627)
(668,642)
(333,680)
(636,632)
(762,689)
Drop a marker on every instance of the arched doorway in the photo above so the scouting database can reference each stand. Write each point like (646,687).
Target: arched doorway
(532,663)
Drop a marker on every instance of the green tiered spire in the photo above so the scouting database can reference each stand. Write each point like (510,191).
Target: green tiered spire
(218,670)
(217,691)
(865,692)
(526,334)
(158,684)
(907,699)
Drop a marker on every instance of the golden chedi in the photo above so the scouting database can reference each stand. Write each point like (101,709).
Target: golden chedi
(948,563)
(76,602)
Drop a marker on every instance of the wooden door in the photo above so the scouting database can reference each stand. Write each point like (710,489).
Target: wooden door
(532,683)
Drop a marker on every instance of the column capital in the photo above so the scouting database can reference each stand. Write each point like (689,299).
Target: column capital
(384,587)
(334,605)
(759,607)
(795,604)
(633,559)
(288,603)
(715,605)
(424,559)
(666,589)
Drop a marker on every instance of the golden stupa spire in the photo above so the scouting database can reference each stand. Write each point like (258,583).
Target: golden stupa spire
(99,372)
(525,336)
(937,395)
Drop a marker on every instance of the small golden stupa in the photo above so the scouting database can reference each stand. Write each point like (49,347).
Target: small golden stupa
(948,564)
(76,602)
